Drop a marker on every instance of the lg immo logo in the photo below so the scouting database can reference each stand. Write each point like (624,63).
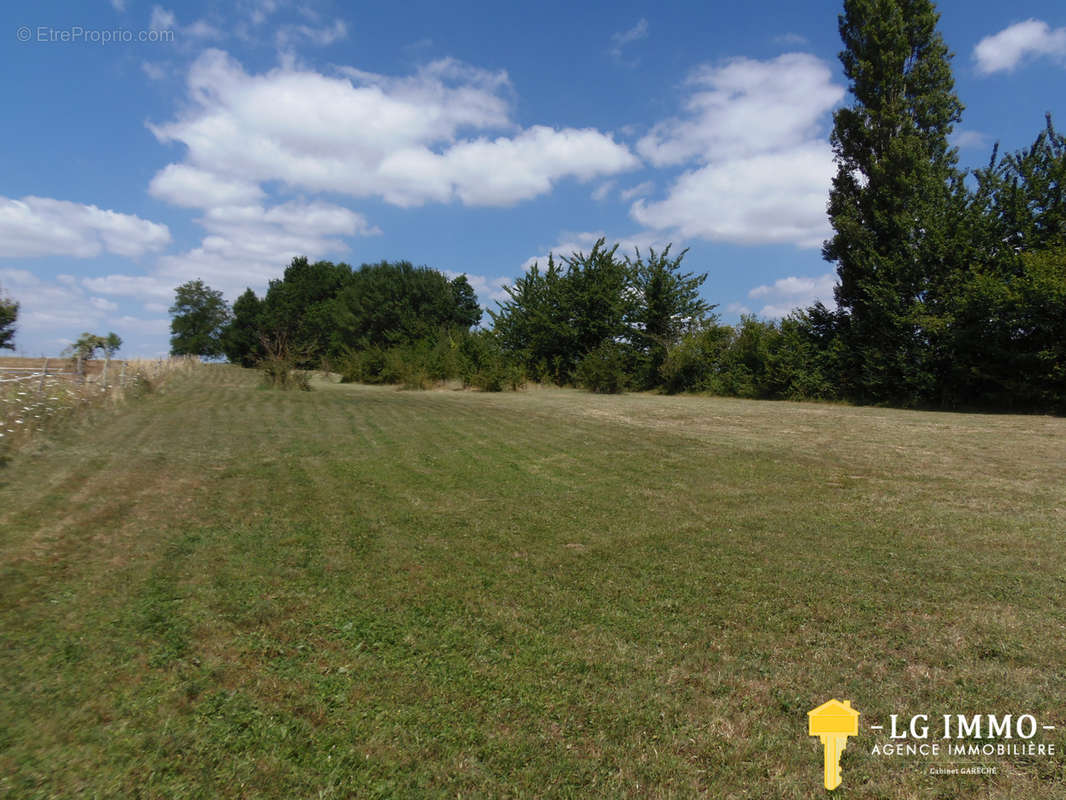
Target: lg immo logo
(833,722)
(948,743)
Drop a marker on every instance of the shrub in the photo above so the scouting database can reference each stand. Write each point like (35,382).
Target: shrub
(603,370)
(279,373)
(363,366)
(693,364)
(475,358)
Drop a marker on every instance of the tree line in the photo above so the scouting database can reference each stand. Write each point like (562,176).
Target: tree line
(951,288)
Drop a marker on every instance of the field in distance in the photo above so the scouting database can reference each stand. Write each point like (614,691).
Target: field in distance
(226,591)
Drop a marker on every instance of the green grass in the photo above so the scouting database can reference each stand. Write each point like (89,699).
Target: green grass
(224,591)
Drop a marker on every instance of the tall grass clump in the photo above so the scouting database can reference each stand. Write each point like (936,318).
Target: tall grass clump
(35,404)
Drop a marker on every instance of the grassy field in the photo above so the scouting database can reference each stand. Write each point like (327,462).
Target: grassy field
(223,591)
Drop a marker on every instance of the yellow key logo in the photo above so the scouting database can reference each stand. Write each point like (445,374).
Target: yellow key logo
(833,722)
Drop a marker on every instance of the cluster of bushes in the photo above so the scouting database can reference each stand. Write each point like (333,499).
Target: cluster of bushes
(759,359)
(755,359)
(472,358)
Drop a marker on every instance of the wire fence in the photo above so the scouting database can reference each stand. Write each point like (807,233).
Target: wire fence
(36,393)
(72,369)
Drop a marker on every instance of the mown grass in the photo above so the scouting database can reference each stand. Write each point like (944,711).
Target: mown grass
(362,592)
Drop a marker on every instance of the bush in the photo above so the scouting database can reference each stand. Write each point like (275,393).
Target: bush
(484,365)
(603,370)
(363,366)
(279,373)
(757,359)
(475,358)
(498,377)
(694,363)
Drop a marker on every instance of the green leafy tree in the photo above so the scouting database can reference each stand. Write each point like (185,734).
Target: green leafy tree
(598,298)
(1004,304)
(892,200)
(534,325)
(395,303)
(9,312)
(667,306)
(1023,195)
(299,308)
(241,342)
(88,344)
(1044,327)
(467,311)
(200,314)
(605,312)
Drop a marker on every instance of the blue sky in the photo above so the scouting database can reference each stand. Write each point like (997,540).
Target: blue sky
(149,144)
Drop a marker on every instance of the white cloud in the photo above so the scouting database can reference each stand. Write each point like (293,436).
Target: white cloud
(969,139)
(155,72)
(791,39)
(621,39)
(583,242)
(366,135)
(103,304)
(41,226)
(245,245)
(771,198)
(754,135)
(1004,51)
(162,19)
(55,312)
(289,35)
(191,187)
(262,10)
(784,295)
(505,171)
(48,307)
(118,5)
(488,290)
(600,193)
(154,328)
(202,29)
(136,286)
(746,107)
(307,219)
(637,191)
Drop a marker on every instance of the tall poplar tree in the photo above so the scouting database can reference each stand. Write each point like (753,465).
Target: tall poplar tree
(894,197)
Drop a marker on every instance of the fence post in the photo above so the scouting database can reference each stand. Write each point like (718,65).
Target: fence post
(44,374)
(107,362)
(122,376)
(77,369)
